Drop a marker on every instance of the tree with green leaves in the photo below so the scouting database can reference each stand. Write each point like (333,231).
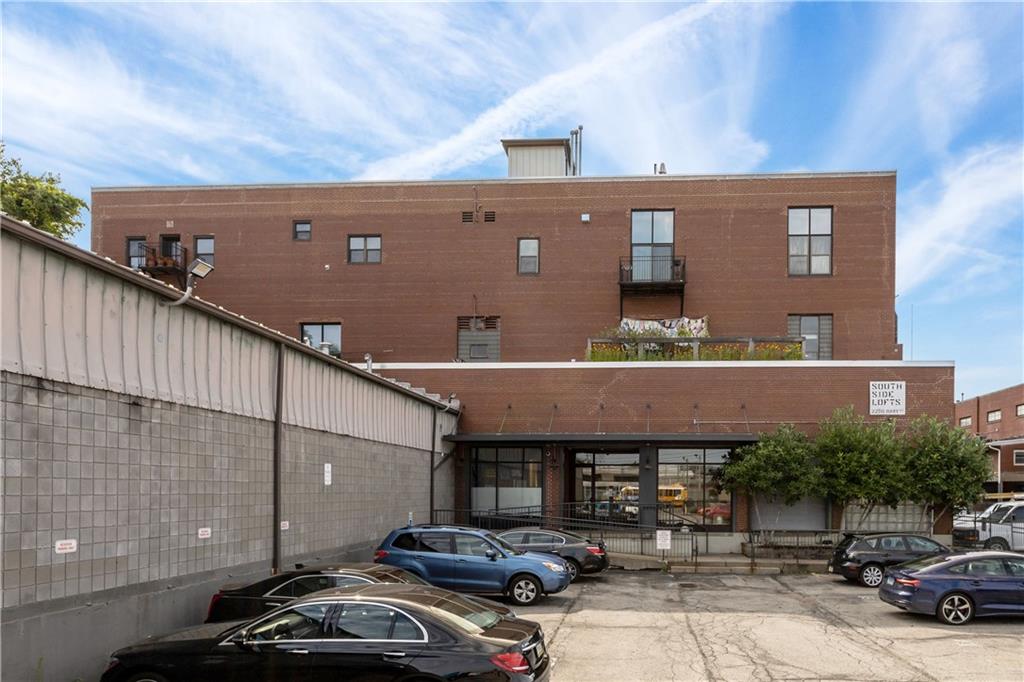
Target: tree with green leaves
(38,199)
(947,466)
(779,467)
(860,462)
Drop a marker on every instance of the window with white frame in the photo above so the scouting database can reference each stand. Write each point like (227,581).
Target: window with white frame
(1020,410)
(1018,458)
(965,421)
(994,416)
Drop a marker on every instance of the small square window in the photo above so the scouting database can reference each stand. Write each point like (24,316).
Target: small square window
(529,256)
(965,421)
(1020,410)
(204,249)
(315,334)
(478,351)
(994,416)
(302,230)
(1018,458)
(364,248)
(136,252)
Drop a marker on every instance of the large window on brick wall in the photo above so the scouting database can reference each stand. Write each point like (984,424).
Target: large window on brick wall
(506,478)
(810,241)
(817,333)
(689,489)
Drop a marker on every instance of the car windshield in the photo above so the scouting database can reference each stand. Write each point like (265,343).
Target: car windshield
(502,543)
(993,511)
(466,615)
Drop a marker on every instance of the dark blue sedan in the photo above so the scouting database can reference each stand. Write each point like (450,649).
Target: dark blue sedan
(958,587)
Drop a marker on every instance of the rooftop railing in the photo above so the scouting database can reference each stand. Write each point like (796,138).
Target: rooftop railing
(677,348)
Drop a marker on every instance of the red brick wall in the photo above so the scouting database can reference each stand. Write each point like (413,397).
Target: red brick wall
(977,408)
(770,395)
(732,232)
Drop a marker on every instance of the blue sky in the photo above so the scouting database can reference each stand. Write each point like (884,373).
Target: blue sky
(111,94)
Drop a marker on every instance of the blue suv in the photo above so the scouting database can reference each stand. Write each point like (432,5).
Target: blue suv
(473,560)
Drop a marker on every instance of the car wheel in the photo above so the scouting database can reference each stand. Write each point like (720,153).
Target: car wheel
(574,569)
(524,590)
(955,609)
(146,677)
(871,575)
(997,544)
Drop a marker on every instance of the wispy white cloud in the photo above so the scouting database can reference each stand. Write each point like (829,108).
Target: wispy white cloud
(706,52)
(947,225)
(925,77)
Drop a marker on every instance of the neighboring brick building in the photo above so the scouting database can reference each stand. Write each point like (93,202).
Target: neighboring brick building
(998,417)
(493,289)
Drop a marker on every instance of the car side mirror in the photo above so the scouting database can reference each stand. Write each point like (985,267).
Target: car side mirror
(240,638)
(491,554)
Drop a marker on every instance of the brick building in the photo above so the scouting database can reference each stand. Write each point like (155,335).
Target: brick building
(496,290)
(998,417)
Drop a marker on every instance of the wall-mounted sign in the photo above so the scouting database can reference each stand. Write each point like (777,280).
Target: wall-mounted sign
(205,533)
(663,539)
(69,546)
(888,397)
(327,473)
(284,525)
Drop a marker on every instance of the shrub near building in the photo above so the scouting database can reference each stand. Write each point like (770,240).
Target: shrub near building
(931,463)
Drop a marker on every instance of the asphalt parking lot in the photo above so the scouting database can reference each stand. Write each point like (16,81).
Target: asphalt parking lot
(633,625)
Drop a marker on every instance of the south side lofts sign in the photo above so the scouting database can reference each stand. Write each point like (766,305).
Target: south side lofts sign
(888,397)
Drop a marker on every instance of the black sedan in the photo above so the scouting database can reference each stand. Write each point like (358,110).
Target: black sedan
(864,557)
(248,600)
(956,588)
(373,633)
(581,555)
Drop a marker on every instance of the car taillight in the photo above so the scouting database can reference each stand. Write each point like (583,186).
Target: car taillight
(512,662)
(379,554)
(213,602)
(909,582)
(595,550)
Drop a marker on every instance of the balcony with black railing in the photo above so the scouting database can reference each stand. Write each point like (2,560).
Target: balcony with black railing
(160,259)
(656,273)
(645,275)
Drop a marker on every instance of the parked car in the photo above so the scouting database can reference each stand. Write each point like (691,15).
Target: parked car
(968,519)
(473,560)
(864,557)
(247,600)
(373,633)
(956,588)
(1001,530)
(581,555)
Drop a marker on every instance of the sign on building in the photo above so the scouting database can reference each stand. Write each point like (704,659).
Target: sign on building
(888,397)
(69,546)
(327,473)
(663,539)
(204,533)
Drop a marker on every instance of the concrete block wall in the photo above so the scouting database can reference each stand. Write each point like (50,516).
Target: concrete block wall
(133,480)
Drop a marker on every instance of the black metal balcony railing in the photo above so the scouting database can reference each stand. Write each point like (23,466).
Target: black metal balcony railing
(646,270)
(168,257)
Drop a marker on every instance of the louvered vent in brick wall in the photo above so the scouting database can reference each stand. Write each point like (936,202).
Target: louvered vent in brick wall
(479,323)
(489,216)
(467,216)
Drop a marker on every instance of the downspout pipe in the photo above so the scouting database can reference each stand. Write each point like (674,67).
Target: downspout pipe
(433,456)
(278,447)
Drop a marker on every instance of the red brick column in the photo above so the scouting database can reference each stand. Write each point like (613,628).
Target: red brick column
(554,471)
(741,513)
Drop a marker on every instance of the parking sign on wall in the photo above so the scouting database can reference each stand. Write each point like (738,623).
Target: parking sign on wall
(888,397)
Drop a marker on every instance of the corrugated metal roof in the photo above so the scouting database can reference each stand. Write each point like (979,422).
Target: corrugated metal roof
(119,375)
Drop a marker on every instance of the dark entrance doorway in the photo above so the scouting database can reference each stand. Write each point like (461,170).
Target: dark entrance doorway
(607,485)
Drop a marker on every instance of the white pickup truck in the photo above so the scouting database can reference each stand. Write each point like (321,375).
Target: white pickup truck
(999,527)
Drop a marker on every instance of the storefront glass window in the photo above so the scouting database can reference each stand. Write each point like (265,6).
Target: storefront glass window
(688,489)
(607,485)
(506,478)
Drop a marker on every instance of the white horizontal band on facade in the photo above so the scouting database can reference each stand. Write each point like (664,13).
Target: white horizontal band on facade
(585,179)
(658,364)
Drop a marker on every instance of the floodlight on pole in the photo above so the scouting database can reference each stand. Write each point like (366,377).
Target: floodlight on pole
(198,268)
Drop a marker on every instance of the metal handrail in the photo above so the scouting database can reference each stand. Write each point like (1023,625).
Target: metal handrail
(652,269)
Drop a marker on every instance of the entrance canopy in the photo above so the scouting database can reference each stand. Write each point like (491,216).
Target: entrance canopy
(604,438)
